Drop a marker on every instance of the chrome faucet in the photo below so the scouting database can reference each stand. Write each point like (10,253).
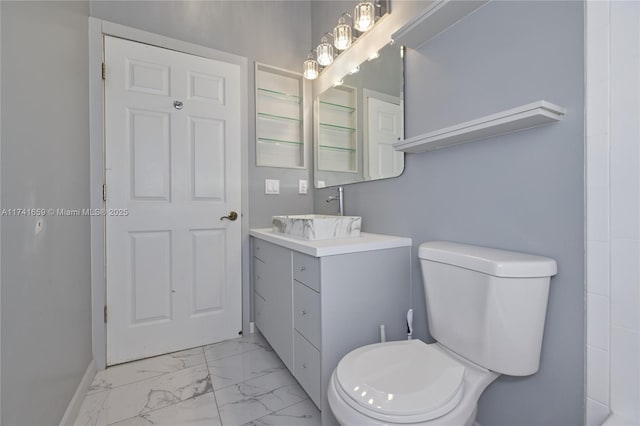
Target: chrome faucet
(339,198)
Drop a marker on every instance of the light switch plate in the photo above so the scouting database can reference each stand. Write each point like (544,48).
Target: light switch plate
(302,186)
(271,186)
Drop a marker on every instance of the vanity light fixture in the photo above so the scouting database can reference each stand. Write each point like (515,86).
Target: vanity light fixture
(342,34)
(364,16)
(310,68)
(324,51)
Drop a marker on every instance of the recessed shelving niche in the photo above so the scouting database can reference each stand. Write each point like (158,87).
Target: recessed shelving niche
(336,130)
(279,118)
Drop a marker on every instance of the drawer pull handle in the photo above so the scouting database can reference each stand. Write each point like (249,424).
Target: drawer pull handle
(302,268)
(303,313)
(304,365)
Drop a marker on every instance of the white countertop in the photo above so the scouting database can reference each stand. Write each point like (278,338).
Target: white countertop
(319,248)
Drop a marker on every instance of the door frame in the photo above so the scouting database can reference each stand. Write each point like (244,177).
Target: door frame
(99,28)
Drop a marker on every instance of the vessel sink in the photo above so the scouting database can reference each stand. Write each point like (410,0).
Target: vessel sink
(317,226)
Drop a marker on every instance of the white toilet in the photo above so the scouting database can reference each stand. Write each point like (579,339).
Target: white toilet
(486,309)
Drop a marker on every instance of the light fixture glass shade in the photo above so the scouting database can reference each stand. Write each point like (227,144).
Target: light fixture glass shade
(310,68)
(324,51)
(364,16)
(342,33)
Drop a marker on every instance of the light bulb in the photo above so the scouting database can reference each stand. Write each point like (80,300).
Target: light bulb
(310,68)
(342,33)
(364,16)
(324,51)
(354,70)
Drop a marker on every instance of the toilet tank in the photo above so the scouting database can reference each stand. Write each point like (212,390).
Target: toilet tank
(487,305)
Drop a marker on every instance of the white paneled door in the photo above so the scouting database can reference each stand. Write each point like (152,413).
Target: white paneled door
(172,165)
(385,127)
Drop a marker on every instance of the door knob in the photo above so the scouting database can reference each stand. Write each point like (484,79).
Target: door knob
(232,216)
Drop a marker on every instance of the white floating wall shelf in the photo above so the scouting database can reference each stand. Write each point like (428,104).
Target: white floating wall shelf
(433,20)
(512,120)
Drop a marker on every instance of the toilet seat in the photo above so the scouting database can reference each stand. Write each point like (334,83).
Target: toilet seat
(402,382)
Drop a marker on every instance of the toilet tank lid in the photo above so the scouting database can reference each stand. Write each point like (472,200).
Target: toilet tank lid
(500,263)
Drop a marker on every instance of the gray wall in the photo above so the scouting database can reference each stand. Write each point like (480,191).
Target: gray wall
(271,32)
(46,334)
(522,191)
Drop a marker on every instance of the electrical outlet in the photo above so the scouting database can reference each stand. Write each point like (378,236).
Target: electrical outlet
(271,186)
(302,186)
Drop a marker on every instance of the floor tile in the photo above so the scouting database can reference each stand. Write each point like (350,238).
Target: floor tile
(238,368)
(139,398)
(258,397)
(146,368)
(304,413)
(201,410)
(251,383)
(229,348)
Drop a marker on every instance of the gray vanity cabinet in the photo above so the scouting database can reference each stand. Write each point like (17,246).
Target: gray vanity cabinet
(273,300)
(313,310)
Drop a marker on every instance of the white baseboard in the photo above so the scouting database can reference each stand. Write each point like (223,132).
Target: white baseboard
(78,397)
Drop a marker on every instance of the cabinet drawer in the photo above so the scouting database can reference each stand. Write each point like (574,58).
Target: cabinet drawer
(306,269)
(260,249)
(260,277)
(268,252)
(306,313)
(307,367)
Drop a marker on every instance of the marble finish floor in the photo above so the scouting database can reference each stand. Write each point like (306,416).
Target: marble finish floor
(237,382)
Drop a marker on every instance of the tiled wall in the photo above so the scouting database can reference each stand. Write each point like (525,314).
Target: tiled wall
(613,211)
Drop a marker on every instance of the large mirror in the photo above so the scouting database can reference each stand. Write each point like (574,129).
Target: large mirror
(356,123)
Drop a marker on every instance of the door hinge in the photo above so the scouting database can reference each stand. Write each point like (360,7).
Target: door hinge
(104,71)
(104,192)
(105,314)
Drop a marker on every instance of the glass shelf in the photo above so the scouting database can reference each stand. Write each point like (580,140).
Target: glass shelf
(337,148)
(279,95)
(278,117)
(338,106)
(336,127)
(276,141)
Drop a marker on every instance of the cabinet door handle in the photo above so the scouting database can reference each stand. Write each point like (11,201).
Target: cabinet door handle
(302,268)
(303,313)
(304,365)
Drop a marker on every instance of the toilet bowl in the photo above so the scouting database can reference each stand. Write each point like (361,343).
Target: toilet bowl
(406,382)
(486,309)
